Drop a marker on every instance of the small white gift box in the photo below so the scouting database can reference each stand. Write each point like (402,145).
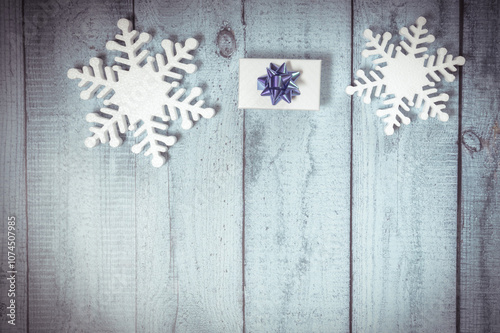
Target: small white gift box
(309,83)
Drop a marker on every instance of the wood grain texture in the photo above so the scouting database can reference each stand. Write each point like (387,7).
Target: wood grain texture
(297,177)
(247,226)
(80,201)
(404,193)
(12,162)
(157,284)
(480,195)
(200,204)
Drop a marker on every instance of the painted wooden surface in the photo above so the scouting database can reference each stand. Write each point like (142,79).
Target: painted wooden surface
(13,164)
(480,191)
(404,195)
(297,179)
(203,205)
(261,221)
(82,266)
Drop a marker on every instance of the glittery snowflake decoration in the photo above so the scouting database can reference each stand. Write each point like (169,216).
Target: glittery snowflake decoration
(139,97)
(406,75)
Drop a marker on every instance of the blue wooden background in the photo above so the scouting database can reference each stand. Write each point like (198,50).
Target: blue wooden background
(261,221)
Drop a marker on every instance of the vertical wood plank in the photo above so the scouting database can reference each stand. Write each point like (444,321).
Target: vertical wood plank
(480,195)
(199,202)
(297,177)
(157,284)
(404,192)
(81,201)
(12,165)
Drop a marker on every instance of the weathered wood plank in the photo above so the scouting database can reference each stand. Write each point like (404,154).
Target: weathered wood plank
(12,165)
(157,284)
(199,192)
(80,201)
(404,193)
(480,195)
(297,177)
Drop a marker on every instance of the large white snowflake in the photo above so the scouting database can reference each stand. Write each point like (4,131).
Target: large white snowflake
(406,75)
(142,97)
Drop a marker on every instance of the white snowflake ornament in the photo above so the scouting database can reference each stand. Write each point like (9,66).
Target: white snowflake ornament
(140,93)
(406,75)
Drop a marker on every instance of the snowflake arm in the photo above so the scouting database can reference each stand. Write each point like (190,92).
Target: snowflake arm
(393,113)
(443,64)
(109,128)
(367,85)
(430,106)
(416,37)
(97,75)
(174,58)
(132,44)
(376,48)
(158,143)
(185,107)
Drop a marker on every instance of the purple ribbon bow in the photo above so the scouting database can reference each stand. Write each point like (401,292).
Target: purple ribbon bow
(279,84)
